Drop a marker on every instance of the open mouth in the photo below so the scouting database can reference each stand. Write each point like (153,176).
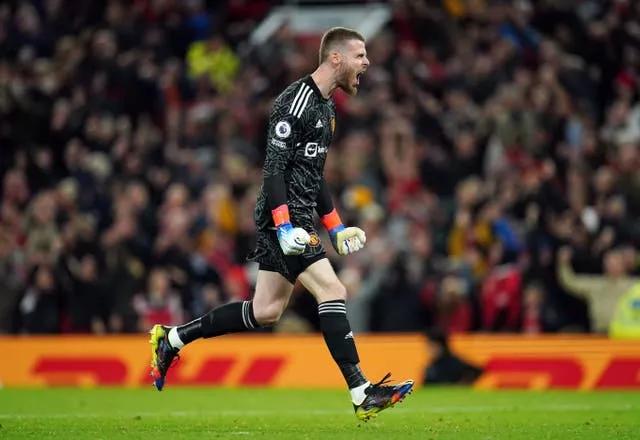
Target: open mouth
(358,78)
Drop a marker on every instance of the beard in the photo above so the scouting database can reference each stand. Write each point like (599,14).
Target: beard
(346,81)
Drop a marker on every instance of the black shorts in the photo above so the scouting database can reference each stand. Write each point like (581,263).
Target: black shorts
(270,257)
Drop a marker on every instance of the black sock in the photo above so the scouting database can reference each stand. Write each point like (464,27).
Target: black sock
(339,339)
(230,318)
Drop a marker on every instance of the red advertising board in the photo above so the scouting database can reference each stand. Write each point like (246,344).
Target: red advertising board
(303,361)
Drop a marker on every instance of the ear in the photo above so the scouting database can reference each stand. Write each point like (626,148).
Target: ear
(335,57)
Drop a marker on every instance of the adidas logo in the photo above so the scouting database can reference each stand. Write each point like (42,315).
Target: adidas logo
(349,335)
(319,124)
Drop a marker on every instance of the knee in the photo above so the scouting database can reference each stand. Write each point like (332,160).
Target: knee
(268,315)
(334,291)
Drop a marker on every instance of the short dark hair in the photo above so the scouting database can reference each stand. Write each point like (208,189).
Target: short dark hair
(335,36)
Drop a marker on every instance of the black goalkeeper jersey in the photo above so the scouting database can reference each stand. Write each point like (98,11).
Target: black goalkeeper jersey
(301,126)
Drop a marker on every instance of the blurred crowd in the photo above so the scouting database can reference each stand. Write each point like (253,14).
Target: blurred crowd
(491,156)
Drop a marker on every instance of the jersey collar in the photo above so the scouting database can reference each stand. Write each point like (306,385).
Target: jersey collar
(311,83)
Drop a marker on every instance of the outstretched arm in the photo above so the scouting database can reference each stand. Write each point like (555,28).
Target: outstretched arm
(582,286)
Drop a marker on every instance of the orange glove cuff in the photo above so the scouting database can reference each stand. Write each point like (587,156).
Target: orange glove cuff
(280,215)
(331,220)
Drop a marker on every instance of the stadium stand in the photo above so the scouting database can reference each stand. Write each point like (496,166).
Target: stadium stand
(487,136)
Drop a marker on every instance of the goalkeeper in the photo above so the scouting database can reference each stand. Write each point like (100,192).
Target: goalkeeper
(301,126)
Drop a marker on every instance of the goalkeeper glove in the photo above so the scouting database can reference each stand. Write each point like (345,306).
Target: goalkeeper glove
(293,241)
(344,240)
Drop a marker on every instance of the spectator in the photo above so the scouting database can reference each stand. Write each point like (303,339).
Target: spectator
(40,305)
(537,316)
(10,284)
(159,302)
(88,305)
(626,322)
(454,314)
(602,291)
(215,59)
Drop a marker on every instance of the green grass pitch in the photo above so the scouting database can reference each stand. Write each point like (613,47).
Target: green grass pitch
(219,413)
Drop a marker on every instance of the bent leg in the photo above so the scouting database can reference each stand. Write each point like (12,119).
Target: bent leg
(368,399)
(323,283)
(271,297)
(273,292)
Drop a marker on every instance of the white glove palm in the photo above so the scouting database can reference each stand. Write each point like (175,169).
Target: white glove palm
(348,240)
(293,241)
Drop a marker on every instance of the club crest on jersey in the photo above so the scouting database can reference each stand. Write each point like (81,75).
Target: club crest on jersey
(314,240)
(283,129)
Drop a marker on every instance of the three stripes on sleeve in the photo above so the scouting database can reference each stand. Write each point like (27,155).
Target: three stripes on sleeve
(301,100)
